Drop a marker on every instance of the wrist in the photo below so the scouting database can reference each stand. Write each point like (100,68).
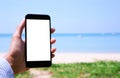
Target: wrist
(10,61)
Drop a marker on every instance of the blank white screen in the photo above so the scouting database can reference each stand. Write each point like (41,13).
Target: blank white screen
(38,40)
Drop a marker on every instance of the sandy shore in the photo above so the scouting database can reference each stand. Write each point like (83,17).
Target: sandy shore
(85,57)
(82,57)
(2,54)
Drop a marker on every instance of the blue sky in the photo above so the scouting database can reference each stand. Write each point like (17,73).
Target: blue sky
(68,16)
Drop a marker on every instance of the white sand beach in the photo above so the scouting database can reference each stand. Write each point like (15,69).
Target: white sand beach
(82,57)
(85,57)
(2,54)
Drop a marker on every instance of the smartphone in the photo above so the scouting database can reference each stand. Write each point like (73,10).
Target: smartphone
(37,36)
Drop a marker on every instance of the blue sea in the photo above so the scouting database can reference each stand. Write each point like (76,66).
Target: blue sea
(77,42)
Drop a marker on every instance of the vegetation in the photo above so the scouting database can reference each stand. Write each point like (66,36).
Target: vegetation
(82,70)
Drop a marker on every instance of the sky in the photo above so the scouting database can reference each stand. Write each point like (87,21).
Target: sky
(67,16)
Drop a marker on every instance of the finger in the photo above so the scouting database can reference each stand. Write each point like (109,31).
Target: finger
(53,55)
(52,30)
(53,40)
(24,41)
(19,29)
(53,50)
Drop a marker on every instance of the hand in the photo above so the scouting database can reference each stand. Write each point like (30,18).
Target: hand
(16,54)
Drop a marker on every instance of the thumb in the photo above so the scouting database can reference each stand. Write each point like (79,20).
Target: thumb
(19,29)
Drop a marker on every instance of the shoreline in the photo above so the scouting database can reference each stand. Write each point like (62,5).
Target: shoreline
(85,57)
(69,57)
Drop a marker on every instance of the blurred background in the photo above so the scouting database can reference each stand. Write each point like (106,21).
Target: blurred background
(81,25)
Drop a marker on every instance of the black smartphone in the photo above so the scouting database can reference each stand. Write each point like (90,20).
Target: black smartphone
(37,36)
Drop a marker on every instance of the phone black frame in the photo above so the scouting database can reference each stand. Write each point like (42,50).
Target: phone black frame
(33,64)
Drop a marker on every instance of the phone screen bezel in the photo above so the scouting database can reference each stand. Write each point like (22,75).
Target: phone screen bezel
(37,63)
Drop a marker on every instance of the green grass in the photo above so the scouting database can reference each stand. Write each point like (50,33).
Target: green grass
(23,75)
(82,70)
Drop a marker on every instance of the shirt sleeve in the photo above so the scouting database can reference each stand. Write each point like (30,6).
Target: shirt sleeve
(5,69)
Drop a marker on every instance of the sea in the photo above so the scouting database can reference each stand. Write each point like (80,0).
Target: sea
(76,42)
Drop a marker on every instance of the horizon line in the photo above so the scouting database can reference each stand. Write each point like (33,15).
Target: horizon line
(72,34)
(75,33)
